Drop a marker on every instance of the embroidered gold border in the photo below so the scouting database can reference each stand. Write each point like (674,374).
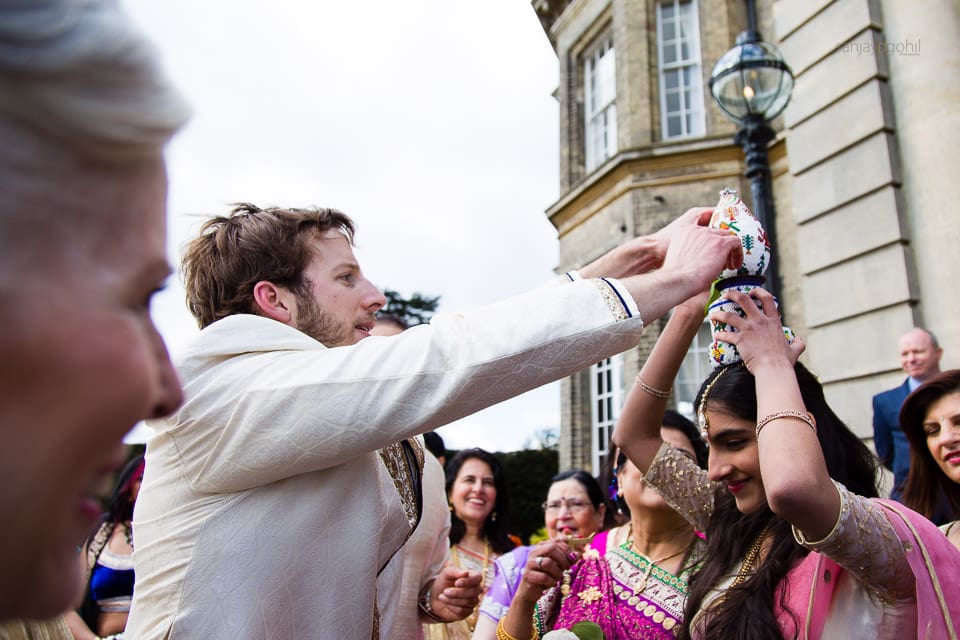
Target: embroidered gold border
(395,462)
(813,595)
(613,301)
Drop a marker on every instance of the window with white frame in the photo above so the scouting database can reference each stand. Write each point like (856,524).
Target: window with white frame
(605,392)
(681,84)
(600,101)
(696,365)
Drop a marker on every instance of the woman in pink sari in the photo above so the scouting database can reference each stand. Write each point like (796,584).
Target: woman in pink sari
(631,580)
(798,544)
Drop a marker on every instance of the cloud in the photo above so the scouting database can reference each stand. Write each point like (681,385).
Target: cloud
(430,122)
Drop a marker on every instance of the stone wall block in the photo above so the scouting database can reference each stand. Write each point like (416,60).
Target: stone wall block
(872,281)
(788,15)
(855,228)
(854,172)
(827,30)
(862,113)
(858,346)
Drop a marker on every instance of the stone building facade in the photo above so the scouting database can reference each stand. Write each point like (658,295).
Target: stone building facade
(863,172)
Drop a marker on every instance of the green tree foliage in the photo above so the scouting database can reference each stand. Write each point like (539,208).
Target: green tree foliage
(417,309)
(528,474)
(546,438)
(539,535)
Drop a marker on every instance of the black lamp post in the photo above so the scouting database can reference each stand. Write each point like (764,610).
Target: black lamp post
(751,84)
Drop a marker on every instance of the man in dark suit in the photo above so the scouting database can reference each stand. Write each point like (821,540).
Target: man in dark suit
(920,358)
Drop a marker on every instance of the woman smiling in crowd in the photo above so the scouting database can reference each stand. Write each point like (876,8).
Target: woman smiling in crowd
(479,531)
(930,418)
(574,508)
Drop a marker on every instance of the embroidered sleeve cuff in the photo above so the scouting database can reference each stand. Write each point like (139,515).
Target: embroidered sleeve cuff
(802,539)
(619,301)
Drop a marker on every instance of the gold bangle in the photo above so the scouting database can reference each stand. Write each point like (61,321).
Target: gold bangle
(503,635)
(656,393)
(802,416)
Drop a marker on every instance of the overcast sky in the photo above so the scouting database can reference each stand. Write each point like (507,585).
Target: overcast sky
(430,122)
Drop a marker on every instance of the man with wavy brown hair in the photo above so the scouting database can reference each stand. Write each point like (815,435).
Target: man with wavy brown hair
(250,244)
(277,501)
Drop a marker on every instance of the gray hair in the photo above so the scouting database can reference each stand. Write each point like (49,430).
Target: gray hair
(77,73)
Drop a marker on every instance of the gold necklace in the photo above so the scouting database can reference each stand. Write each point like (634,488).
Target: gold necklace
(752,557)
(651,562)
(472,618)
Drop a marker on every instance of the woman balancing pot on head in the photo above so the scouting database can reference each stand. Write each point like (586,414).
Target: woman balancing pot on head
(631,580)
(477,494)
(930,418)
(797,544)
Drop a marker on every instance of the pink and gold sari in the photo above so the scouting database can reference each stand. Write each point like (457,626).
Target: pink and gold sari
(616,588)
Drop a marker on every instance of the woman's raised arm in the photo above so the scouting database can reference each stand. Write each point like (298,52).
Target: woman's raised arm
(795,477)
(638,429)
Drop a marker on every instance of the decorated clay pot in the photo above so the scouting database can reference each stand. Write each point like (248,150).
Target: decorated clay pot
(733,215)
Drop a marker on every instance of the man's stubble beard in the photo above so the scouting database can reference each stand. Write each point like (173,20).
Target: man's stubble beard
(322,326)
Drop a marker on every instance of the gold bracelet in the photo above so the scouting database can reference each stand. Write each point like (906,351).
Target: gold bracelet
(802,416)
(503,635)
(656,393)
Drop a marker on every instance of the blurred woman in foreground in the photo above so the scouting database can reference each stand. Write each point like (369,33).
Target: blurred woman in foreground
(85,113)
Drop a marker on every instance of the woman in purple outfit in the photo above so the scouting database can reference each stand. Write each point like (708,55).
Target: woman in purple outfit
(574,507)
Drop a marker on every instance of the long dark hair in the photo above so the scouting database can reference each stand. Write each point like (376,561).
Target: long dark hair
(747,610)
(119,512)
(119,506)
(496,528)
(594,493)
(926,480)
(677,422)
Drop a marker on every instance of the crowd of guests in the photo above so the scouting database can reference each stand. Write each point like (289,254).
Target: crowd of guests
(287,491)
(753,537)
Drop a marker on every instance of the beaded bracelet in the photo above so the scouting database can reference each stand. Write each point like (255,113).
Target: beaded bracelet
(503,635)
(802,416)
(657,393)
(424,605)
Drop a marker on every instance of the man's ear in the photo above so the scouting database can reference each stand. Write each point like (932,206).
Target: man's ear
(274,302)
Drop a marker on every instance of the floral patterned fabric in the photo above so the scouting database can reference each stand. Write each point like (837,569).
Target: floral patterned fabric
(507,572)
(617,588)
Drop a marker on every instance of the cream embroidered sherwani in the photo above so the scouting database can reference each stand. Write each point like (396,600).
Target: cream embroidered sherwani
(425,552)
(276,501)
